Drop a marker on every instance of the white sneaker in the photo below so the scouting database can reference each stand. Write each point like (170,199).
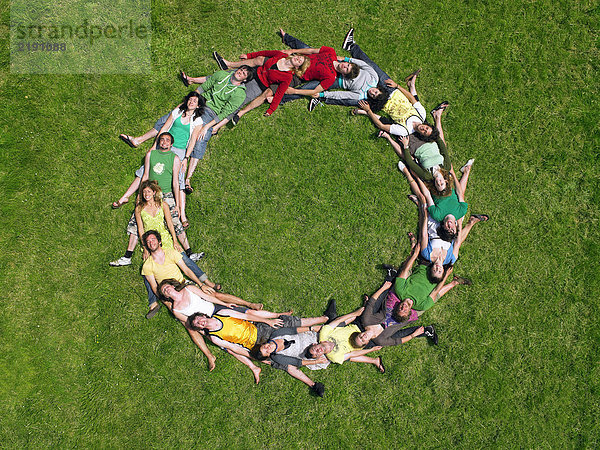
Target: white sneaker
(122,261)
(401,166)
(468,164)
(314,102)
(197,256)
(348,40)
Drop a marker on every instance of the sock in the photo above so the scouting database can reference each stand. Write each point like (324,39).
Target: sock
(188,251)
(129,254)
(416,97)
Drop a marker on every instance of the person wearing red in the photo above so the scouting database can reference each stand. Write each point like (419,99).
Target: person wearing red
(275,72)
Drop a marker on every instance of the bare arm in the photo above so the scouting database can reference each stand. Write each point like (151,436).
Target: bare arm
(374,117)
(316,90)
(192,141)
(238,315)
(440,285)
(301,51)
(205,128)
(235,348)
(362,352)
(175,181)
(170,226)
(457,186)
(423,224)
(407,265)
(146,169)
(188,273)
(206,296)
(347,318)
(425,192)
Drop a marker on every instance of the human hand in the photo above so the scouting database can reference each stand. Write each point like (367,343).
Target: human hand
(418,331)
(391,83)
(177,247)
(321,359)
(376,348)
(275,323)
(145,254)
(364,105)
(207,289)
(315,95)
(404,141)
(203,132)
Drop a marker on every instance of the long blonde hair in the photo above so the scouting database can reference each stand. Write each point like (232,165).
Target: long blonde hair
(299,71)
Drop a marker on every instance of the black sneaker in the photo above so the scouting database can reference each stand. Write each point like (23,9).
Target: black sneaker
(235,119)
(431,334)
(349,40)
(318,389)
(220,61)
(331,311)
(314,102)
(150,314)
(391,274)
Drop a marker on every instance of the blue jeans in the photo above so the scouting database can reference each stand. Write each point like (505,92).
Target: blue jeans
(152,297)
(357,53)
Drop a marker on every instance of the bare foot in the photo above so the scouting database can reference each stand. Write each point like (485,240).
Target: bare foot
(413,239)
(256,371)
(287,313)
(211,363)
(282,34)
(120,203)
(365,299)
(380,365)
(413,198)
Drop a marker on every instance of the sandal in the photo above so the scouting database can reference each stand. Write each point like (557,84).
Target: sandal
(188,189)
(468,164)
(441,106)
(461,280)
(184,79)
(118,204)
(412,75)
(128,140)
(217,287)
(481,217)
(185,224)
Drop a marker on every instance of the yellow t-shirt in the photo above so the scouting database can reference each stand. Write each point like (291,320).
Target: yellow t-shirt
(399,107)
(169,269)
(340,336)
(236,330)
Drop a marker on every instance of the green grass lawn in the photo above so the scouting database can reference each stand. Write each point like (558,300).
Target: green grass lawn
(298,208)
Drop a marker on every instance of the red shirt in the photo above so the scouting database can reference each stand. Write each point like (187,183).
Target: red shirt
(269,74)
(321,67)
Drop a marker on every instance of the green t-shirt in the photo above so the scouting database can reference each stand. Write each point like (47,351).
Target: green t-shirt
(340,336)
(416,287)
(447,205)
(161,169)
(181,133)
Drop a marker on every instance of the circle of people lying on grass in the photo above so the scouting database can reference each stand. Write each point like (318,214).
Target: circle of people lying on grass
(246,330)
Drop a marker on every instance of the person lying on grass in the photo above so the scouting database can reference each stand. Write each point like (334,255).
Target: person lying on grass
(185,299)
(403,106)
(325,68)
(426,284)
(354,85)
(286,350)
(336,342)
(378,325)
(276,71)
(184,124)
(168,263)
(240,336)
(151,213)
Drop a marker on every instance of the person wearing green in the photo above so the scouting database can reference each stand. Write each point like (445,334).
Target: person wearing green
(421,287)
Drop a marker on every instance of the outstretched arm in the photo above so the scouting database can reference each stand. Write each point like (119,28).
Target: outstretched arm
(407,265)
(362,352)
(235,348)
(238,315)
(347,318)
(424,235)
(374,117)
(440,285)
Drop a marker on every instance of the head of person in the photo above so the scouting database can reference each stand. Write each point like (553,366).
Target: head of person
(359,340)
(402,310)
(449,228)
(315,351)
(442,183)
(435,272)
(348,70)
(150,190)
(197,321)
(264,351)
(377,97)
(165,140)
(426,132)
(151,240)
(168,286)
(194,102)
(304,65)
(243,74)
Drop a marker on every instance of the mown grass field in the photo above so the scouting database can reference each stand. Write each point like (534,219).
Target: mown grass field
(298,208)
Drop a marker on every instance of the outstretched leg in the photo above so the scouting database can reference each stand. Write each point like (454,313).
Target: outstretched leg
(246,361)
(367,359)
